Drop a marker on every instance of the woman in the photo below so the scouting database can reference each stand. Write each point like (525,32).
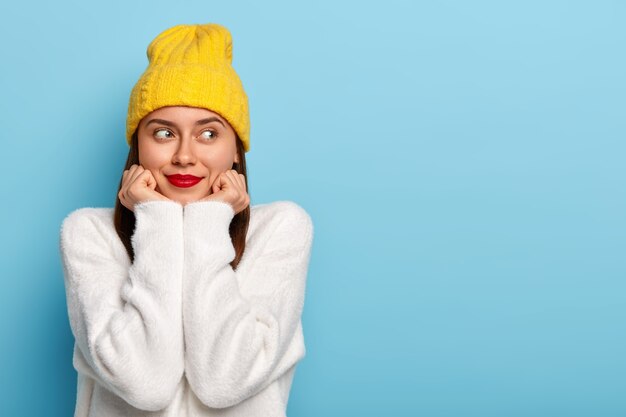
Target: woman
(184,300)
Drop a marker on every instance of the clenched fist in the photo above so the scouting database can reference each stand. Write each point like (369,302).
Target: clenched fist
(138,185)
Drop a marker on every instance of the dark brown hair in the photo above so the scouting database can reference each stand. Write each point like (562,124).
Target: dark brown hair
(124,219)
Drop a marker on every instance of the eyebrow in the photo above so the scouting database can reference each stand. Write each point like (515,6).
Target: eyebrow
(199,122)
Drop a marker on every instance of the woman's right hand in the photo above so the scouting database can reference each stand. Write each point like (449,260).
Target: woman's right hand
(138,185)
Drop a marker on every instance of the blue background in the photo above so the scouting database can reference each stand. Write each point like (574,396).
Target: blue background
(463,163)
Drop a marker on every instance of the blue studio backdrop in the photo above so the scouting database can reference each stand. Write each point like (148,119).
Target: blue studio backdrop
(463,163)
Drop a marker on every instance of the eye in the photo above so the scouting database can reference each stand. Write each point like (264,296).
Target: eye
(208,134)
(157,131)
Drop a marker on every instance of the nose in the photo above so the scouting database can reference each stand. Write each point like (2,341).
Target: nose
(185,154)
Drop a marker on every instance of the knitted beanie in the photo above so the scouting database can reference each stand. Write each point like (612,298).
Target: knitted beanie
(191,65)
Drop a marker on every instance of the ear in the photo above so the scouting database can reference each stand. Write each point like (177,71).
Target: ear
(236,160)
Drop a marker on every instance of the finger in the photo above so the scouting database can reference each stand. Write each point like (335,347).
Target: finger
(215,185)
(136,174)
(125,177)
(240,187)
(128,174)
(221,181)
(230,181)
(135,181)
(215,188)
(242,181)
(148,179)
(132,168)
(236,177)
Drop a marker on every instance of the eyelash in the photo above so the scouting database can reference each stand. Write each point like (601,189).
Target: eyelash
(215,134)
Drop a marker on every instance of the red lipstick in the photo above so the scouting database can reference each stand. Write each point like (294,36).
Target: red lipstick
(183,181)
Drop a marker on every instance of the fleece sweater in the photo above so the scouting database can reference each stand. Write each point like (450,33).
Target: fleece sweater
(178,332)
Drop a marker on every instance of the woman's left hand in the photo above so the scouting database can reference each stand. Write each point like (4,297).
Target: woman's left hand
(230,187)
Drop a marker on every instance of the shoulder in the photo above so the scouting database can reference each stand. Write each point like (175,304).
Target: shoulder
(85,222)
(286,220)
(288,213)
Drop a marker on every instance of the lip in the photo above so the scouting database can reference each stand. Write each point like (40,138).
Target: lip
(183,181)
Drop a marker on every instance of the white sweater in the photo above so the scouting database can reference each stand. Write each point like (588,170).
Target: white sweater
(178,332)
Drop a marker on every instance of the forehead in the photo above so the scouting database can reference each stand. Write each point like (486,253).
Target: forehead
(183,114)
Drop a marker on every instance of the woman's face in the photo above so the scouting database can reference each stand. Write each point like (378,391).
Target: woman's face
(186,140)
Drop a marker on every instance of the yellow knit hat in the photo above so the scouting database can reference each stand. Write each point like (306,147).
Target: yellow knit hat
(191,65)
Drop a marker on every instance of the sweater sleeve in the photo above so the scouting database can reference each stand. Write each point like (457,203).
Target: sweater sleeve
(240,340)
(127,320)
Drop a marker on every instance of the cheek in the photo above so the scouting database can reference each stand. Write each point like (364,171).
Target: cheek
(151,157)
(217,163)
